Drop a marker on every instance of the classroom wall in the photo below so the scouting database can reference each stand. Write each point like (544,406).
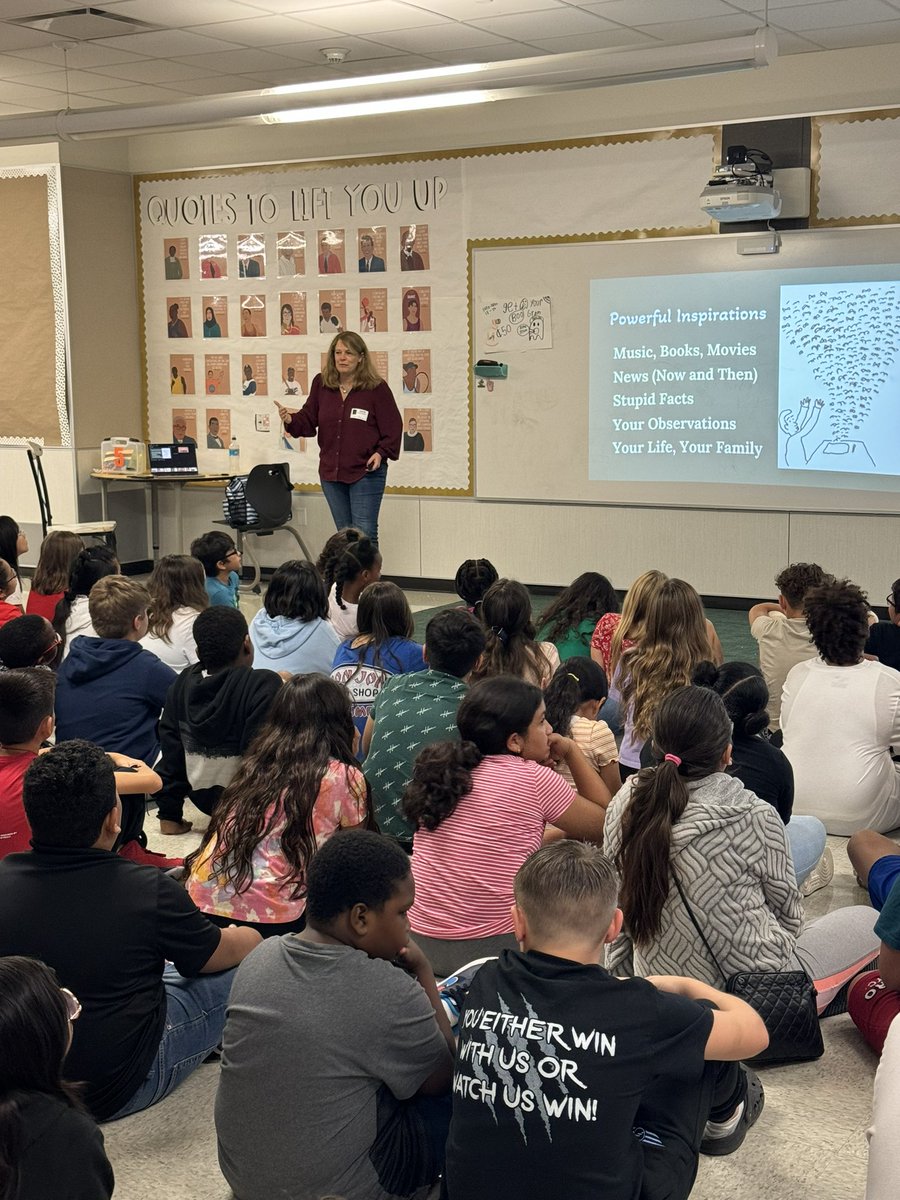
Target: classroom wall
(732,554)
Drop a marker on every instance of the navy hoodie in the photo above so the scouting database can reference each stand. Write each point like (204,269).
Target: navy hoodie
(111,691)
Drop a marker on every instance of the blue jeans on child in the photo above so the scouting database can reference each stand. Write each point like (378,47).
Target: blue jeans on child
(195,1019)
(806,836)
(357,503)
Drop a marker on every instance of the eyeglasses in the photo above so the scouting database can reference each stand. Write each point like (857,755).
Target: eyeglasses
(232,552)
(890,599)
(73,1004)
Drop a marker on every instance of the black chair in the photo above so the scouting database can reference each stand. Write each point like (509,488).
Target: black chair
(104,531)
(267,505)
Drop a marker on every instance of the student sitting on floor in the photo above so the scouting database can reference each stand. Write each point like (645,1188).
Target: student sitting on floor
(178,595)
(221,562)
(297,784)
(576,699)
(31,642)
(382,648)
(686,824)
(840,714)
(480,806)
(510,648)
(211,716)
(9,583)
(26,721)
(874,997)
(111,691)
(473,578)
(53,571)
(615,1082)
(782,632)
(417,709)
(108,927)
(50,1146)
(337,1055)
(72,617)
(884,636)
(291,631)
(570,620)
(350,569)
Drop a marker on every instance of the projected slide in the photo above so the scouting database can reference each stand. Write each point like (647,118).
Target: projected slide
(755,377)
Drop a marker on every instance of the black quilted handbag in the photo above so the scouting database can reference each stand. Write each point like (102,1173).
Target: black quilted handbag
(786,1001)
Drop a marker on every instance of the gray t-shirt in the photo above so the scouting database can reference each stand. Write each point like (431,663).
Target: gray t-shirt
(321,1044)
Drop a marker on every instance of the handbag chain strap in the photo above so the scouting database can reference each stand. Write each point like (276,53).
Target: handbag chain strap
(694,922)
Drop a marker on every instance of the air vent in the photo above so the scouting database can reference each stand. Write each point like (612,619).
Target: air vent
(84,24)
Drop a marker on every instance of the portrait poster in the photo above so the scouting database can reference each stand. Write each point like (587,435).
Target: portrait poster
(371,249)
(254,375)
(253,316)
(415,310)
(292,314)
(217,374)
(181,374)
(294,376)
(213,249)
(184,426)
(332,308)
(178,312)
(290,249)
(373,310)
(416,371)
(218,428)
(176,264)
(215,316)
(251,248)
(415,254)
(417,430)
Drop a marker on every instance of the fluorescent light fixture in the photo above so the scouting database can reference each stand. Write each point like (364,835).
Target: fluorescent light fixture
(368,108)
(346,82)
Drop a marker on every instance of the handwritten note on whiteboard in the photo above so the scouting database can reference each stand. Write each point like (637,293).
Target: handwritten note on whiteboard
(520,323)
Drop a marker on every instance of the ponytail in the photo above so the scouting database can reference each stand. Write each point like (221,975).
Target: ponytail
(361,555)
(691,729)
(576,681)
(442,775)
(744,694)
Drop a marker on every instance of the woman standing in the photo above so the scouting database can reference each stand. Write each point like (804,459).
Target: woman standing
(359,427)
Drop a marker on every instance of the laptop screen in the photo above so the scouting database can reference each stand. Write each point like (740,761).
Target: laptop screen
(172,458)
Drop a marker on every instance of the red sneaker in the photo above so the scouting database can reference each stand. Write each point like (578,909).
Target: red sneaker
(135,852)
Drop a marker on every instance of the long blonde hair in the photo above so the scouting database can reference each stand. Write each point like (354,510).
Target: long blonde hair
(366,376)
(634,613)
(673,643)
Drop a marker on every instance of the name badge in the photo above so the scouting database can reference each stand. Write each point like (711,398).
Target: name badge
(359,414)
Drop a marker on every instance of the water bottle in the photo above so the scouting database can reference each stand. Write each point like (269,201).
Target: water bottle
(234,458)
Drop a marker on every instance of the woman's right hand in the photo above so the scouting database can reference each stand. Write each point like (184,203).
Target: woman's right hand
(284,413)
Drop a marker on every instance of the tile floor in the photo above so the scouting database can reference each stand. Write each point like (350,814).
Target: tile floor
(810,1140)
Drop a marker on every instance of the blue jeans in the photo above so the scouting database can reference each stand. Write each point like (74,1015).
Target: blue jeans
(195,1019)
(357,503)
(806,836)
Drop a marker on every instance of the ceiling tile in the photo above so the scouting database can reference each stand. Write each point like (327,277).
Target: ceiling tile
(304,7)
(14,10)
(858,35)
(297,74)
(682,33)
(479,10)
(83,82)
(13,67)
(168,43)
(265,31)
(549,22)
(374,16)
(359,48)
(607,39)
(179,13)
(833,14)
(14,37)
(645,12)
(141,93)
(151,70)
(238,62)
(218,85)
(86,56)
(39,99)
(437,38)
(503,52)
(386,66)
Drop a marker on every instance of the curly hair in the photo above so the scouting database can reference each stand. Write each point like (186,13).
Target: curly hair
(587,598)
(510,648)
(277,784)
(359,556)
(743,691)
(634,613)
(355,866)
(491,711)
(796,580)
(837,613)
(674,642)
(68,793)
(332,551)
(692,724)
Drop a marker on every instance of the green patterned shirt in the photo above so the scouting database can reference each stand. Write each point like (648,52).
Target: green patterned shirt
(411,711)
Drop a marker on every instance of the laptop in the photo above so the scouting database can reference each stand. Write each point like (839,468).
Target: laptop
(173,458)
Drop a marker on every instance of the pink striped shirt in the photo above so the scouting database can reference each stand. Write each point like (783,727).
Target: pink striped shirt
(464,869)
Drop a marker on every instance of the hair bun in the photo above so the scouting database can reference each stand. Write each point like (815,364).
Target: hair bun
(705,674)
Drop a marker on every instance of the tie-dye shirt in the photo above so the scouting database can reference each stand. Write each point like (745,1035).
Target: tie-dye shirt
(341,802)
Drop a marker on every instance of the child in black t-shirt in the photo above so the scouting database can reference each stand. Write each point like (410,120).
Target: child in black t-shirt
(570,1082)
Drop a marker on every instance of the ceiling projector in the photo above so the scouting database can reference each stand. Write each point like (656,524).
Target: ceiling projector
(742,189)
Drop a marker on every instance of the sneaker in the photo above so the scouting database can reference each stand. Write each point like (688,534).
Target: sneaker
(455,988)
(753,1106)
(174,828)
(137,853)
(820,876)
